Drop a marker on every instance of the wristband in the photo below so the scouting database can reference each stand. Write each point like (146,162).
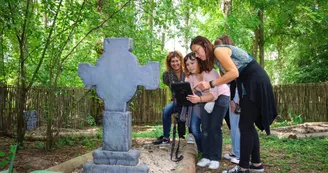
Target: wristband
(211,84)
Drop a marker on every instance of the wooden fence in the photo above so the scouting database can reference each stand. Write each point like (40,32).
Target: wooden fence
(75,107)
(309,100)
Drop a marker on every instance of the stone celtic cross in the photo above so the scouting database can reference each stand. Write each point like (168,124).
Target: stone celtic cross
(116,77)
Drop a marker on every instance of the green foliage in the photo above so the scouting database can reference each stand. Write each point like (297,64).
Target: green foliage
(64,141)
(39,145)
(91,120)
(155,132)
(99,133)
(294,119)
(295,34)
(9,159)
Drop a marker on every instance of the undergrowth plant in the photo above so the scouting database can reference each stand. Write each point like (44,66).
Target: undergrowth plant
(294,119)
(9,158)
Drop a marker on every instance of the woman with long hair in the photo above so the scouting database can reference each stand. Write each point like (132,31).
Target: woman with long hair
(257,104)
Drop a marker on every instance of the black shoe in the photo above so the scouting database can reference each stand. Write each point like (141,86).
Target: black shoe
(165,141)
(256,168)
(159,140)
(236,169)
(162,140)
(161,137)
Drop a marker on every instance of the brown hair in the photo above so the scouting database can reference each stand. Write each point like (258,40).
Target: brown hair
(208,64)
(172,55)
(225,39)
(192,57)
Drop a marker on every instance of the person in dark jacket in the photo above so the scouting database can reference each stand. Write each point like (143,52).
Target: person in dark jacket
(173,73)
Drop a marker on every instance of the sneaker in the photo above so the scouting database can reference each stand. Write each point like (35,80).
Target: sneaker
(165,141)
(214,165)
(191,139)
(159,140)
(161,137)
(162,140)
(235,169)
(256,168)
(229,156)
(235,160)
(204,162)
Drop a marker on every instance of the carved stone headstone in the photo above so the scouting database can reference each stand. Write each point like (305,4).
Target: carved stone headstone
(116,77)
(31,118)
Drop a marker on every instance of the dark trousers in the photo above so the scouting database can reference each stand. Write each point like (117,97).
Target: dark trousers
(249,139)
(211,129)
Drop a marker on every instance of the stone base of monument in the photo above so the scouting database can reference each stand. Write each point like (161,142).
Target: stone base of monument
(105,161)
(91,167)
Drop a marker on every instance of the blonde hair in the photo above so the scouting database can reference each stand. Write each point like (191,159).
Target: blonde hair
(169,58)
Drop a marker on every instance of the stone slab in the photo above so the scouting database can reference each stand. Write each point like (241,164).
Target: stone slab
(117,131)
(118,73)
(90,167)
(130,158)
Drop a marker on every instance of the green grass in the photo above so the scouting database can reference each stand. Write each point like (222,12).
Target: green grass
(153,132)
(278,155)
(305,154)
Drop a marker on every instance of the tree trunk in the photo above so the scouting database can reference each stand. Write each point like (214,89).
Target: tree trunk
(3,89)
(227,10)
(256,44)
(22,93)
(261,38)
(20,102)
(151,24)
(188,163)
(187,31)
(163,41)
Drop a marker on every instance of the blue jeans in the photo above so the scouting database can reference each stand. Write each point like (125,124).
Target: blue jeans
(168,110)
(195,130)
(212,129)
(234,130)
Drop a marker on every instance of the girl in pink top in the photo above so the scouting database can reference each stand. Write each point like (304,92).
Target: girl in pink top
(211,137)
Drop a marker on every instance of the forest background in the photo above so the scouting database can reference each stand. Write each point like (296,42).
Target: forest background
(43,41)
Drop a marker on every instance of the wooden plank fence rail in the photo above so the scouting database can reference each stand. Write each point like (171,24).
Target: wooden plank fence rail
(309,100)
(76,107)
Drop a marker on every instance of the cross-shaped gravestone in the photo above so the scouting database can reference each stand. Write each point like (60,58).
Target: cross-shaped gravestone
(116,77)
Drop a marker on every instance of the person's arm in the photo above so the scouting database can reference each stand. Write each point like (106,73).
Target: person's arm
(208,97)
(166,80)
(222,54)
(212,94)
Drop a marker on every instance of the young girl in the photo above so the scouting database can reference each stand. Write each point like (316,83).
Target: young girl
(211,136)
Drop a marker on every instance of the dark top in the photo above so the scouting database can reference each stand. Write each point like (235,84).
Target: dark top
(259,89)
(233,84)
(171,77)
